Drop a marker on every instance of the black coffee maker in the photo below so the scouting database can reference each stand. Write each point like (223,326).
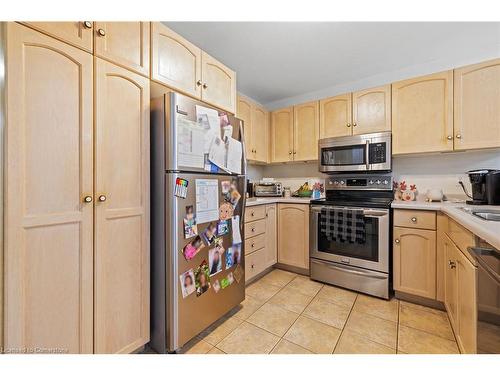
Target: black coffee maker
(493,187)
(477,179)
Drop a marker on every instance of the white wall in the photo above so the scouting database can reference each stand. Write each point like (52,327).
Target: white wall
(426,171)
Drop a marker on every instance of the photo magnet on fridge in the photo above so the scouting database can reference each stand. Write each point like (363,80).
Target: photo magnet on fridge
(224,283)
(233,256)
(215,260)
(230,278)
(202,278)
(222,227)
(225,186)
(187,283)
(210,233)
(190,227)
(192,248)
(216,286)
(226,211)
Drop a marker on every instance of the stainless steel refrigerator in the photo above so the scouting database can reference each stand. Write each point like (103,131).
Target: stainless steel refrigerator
(176,315)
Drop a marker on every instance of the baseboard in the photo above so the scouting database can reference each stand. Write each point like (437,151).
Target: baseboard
(420,300)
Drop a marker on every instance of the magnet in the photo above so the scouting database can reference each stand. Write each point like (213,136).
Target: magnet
(202,278)
(187,283)
(181,187)
(192,248)
(226,211)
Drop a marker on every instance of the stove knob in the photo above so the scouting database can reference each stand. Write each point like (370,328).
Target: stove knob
(330,182)
(342,182)
(370,182)
(385,182)
(336,182)
(377,182)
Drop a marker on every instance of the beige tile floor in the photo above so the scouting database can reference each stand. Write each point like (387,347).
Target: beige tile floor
(286,313)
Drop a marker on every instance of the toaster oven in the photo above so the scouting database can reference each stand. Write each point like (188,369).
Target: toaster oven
(268,189)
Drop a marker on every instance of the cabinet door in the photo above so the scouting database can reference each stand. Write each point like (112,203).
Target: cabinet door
(477,106)
(48,172)
(467,309)
(175,61)
(415,261)
(124,43)
(271,249)
(335,116)
(122,219)
(371,110)
(260,130)
(78,34)
(219,83)
(244,112)
(305,129)
(293,235)
(422,114)
(282,135)
(451,282)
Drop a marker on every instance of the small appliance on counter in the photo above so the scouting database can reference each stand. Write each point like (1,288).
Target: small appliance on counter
(267,188)
(481,190)
(250,189)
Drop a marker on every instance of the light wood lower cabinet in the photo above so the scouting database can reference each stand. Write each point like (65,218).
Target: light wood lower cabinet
(422,114)
(48,172)
(293,235)
(460,296)
(122,209)
(415,261)
(260,244)
(78,33)
(124,43)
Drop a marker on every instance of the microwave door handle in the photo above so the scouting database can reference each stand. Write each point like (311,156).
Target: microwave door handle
(367,154)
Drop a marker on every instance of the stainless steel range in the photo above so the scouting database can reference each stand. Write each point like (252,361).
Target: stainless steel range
(350,233)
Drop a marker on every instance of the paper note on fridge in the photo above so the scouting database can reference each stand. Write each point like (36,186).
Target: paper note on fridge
(217,152)
(207,200)
(208,118)
(235,225)
(234,155)
(190,143)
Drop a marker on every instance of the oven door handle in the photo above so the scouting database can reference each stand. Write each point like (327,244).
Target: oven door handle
(350,270)
(366,212)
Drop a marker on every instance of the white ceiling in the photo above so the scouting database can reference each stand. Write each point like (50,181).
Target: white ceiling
(281,62)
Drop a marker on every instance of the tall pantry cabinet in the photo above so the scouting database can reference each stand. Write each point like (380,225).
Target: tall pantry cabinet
(77,199)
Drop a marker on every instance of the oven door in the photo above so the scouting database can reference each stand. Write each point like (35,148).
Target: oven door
(373,254)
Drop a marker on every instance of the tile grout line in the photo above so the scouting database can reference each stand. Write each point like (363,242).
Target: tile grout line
(345,323)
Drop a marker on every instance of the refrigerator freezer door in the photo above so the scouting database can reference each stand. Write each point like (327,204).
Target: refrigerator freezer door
(178,111)
(188,316)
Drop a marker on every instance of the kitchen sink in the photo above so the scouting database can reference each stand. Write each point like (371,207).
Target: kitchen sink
(484,213)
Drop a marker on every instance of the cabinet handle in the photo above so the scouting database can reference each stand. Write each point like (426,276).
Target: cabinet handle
(198,83)
(397,240)
(451,264)
(414,219)
(87,24)
(289,152)
(253,244)
(354,124)
(450,137)
(348,125)
(252,214)
(101,32)
(294,152)
(459,136)
(102,198)
(205,85)
(253,229)
(252,266)
(87,199)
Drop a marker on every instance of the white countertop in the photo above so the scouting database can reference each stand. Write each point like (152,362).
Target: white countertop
(487,230)
(268,200)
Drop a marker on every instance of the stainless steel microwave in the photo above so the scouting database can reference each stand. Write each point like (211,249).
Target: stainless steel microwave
(365,152)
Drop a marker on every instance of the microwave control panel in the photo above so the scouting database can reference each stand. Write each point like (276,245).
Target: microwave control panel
(377,152)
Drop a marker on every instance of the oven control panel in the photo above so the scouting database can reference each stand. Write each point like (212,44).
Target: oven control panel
(360,182)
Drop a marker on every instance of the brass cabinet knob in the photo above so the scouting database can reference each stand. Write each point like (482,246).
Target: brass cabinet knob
(397,240)
(289,152)
(87,24)
(294,152)
(451,264)
(354,124)
(450,137)
(253,244)
(87,199)
(102,198)
(198,83)
(101,32)
(205,85)
(414,219)
(348,125)
(252,214)
(458,136)
(253,229)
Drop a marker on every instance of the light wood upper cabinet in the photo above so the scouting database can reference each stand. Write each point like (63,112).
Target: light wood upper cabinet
(244,112)
(271,247)
(306,131)
(122,219)
(219,83)
(422,114)
(371,110)
(293,235)
(124,43)
(335,116)
(477,106)
(175,61)
(260,134)
(48,171)
(282,135)
(415,261)
(78,33)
